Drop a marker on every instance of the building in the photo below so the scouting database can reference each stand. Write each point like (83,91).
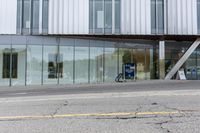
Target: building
(88,41)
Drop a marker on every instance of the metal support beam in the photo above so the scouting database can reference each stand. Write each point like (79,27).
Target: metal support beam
(183,59)
(162,59)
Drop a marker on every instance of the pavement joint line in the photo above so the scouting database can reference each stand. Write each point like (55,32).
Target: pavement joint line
(100,95)
(88,115)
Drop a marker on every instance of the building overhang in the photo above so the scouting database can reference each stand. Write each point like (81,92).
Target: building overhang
(134,37)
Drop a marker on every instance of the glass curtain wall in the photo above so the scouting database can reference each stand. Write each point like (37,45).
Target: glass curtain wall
(117,16)
(198,63)
(5,65)
(35,16)
(190,66)
(108,17)
(81,61)
(45,14)
(143,58)
(101,16)
(26,12)
(34,65)
(28,16)
(18,65)
(70,61)
(198,14)
(19,16)
(111,62)
(157,16)
(50,66)
(173,52)
(66,50)
(96,61)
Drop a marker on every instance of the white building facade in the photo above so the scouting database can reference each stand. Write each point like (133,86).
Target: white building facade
(89,41)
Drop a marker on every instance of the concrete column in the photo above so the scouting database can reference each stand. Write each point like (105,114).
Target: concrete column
(162,59)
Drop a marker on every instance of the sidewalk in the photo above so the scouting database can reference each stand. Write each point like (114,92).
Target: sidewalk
(140,83)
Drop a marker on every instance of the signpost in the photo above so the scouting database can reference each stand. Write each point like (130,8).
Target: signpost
(129,71)
(181,75)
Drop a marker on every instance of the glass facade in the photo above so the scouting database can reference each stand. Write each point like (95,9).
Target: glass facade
(45,15)
(198,15)
(173,52)
(157,16)
(34,65)
(26,16)
(111,62)
(5,67)
(101,16)
(51,60)
(29,14)
(35,16)
(81,61)
(96,61)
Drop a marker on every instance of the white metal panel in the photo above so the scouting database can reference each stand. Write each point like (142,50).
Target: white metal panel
(76,16)
(66,20)
(133,19)
(194,16)
(136,17)
(50,30)
(8,16)
(182,17)
(148,17)
(69,16)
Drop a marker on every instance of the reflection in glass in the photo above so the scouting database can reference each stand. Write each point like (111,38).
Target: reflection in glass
(198,14)
(111,64)
(26,16)
(117,16)
(45,15)
(18,64)
(5,65)
(96,64)
(34,65)
(67,53)
(50,65)
(108,16)
(35,16)
(157,16)
(81,64)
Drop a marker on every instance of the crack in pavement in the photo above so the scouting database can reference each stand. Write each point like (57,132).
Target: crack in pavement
(59,108)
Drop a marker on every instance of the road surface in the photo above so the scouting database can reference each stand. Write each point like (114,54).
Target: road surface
(141,107)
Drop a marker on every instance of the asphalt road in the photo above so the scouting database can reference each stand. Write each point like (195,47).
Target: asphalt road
(151,107)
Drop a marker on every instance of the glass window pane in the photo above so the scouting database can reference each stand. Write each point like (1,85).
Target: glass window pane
(67,75)
(19,16)
(99,16)
(153,16)
(111,64)
(45,15)
(81,61)
(18,64)
(96,63)
(139,60)
(157,16)
(198,13)
(50,65)
(91,16)
(5,65)
(117,16)
(34,65)
(160,14)
(108,16)
(26,16)
(35,13)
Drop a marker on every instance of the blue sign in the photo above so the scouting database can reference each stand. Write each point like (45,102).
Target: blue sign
(129,71)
